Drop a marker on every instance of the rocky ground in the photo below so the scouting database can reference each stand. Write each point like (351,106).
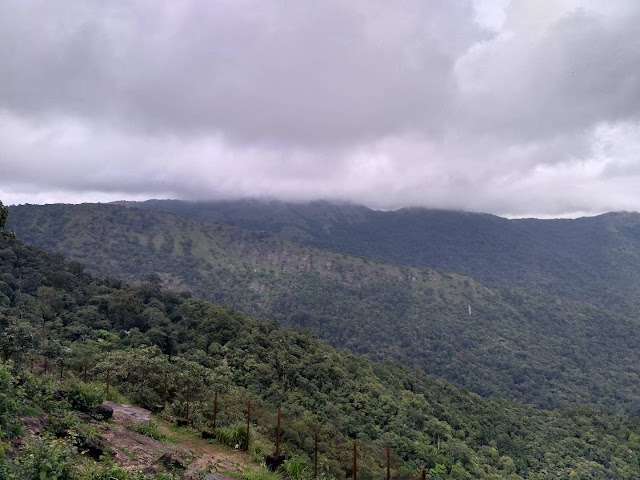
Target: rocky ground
(182,449)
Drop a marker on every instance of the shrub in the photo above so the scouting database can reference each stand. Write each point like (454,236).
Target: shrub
(295,468)
(43,458)
(259,449)
(259,473)
(8,401)
(84,396)
(63,425)
(233,435)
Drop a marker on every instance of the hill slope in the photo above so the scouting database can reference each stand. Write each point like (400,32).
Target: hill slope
(595,259)
(536,348)
(343,396)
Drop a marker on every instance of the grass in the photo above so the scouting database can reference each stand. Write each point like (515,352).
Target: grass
(149,429)
(259,473)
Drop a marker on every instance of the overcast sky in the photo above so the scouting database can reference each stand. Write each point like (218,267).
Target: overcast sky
(515,108)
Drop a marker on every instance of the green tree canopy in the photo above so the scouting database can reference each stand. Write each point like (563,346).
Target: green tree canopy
(4,215)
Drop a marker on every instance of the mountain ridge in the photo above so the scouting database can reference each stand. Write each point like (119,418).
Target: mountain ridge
(108,326)
(534,347)
(594,259)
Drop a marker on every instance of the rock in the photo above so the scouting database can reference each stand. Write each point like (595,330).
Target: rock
(172,461)
(85,417)
(102,412)
(60,394)
(207,434)
(95,447)
(35,425)
(216,476)
(273,462)
(182,422)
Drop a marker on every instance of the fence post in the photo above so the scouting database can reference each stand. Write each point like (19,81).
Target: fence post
(215,409)
(278,432)
(388,463)
(61,369)
(315,455)
(144,379)
(188,396)
(355,460)
(46,364)
(248,422)
(164,394)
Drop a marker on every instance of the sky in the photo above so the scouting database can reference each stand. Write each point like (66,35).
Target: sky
(518,108)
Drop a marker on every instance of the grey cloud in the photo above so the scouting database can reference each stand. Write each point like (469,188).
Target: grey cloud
(286,71)
(580,71)
(386,103)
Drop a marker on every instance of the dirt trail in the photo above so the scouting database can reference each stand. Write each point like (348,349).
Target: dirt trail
(136,452)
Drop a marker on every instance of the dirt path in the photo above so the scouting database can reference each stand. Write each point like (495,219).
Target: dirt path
(136,452)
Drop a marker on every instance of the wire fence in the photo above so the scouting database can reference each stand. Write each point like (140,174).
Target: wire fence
(192,404)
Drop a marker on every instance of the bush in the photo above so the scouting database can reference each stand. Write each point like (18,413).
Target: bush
(84,396)
(9,404)
(44,458)
(259,449)
(63,425)
(295,468)
(260,473)
(233,436)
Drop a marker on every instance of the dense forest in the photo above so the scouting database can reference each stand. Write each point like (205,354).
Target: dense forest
(594,259)
(511,343)
(53,309)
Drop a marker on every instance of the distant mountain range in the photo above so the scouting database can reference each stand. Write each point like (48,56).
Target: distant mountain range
(596,259)
(536,343)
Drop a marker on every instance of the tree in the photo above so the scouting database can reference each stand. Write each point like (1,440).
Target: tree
(4,215)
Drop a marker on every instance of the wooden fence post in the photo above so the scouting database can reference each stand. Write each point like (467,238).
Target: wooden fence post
(248,422)
(278,432)
(315,455)
(188,396)
(215,409)
(388,463)
(164,393)
(355,461)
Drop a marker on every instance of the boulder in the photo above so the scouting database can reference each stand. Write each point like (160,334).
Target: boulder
(274,462)
(102,412)
(172,461)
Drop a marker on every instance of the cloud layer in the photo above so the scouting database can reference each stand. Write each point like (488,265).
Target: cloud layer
(528,107)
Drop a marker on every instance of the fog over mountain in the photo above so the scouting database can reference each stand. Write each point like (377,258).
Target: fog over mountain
(514,108)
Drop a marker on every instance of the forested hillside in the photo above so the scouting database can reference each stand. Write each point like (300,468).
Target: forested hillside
(533,347)
(596,259)
(52,308)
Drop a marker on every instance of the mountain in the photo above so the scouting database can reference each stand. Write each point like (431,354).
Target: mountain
(511,343)
(153,342)
(594,259)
